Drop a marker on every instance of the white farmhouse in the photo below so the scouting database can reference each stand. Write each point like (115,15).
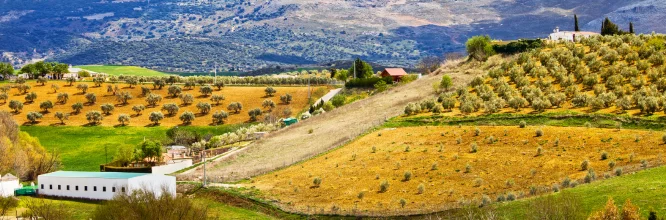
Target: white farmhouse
(8,183)
(102,185)
(570,36)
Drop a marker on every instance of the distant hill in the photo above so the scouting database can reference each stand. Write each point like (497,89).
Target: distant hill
(122,70)
(191,36)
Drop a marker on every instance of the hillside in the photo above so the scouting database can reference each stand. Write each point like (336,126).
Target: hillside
(122,70)
(183,35)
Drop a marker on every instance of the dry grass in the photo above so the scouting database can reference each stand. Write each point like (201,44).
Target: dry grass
(330,130)
(353,169)
(250,97)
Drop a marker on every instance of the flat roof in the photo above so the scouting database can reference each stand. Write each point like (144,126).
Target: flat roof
(103,175)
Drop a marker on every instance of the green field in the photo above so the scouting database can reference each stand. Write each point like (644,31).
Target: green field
(646,189)
(83,148)
(122,70)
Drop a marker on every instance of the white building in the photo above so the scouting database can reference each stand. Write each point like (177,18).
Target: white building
(571,36)
(102,185)
(8,183)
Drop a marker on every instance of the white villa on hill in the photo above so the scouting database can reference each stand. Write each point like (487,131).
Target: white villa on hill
(102,185)
(570,36)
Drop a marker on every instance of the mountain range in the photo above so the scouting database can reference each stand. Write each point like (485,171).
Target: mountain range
(246,35)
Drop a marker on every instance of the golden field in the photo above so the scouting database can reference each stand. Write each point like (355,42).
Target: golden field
(355,169)
(249,97)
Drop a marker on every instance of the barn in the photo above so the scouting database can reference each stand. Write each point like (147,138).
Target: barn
(102,185)
(395,73)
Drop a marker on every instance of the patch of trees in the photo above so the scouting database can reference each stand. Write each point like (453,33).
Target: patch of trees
(519,46)
(367,82)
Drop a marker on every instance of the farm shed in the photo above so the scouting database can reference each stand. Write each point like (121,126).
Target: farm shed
(570,36)
(102,185)
(8,183)
(395,73)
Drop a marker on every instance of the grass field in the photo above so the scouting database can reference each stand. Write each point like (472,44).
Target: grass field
(645,189)
(249,97)
(437,161)
(83,148)
(122,70)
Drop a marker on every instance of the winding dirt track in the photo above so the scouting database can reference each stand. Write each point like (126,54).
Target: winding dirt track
(330,130)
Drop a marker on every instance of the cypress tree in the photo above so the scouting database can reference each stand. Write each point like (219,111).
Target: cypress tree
(631,28)
(576,28)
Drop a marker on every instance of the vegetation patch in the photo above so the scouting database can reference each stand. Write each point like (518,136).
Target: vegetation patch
(122,70)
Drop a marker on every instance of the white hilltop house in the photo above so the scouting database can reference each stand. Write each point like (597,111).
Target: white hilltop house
(74,72)
(8,183)
(570,36)
(102,185)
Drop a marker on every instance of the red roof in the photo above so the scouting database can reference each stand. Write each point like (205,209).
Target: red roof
(395,71)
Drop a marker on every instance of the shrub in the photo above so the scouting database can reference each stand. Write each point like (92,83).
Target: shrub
(446,82)
(270,91)
(539,151)
(644,164)
(663,138)
(604,155)
(367,82)
(254,113)
(501,198)
(403,202)
(585,165)
(361,195)
(477,131)
(473,148)
(468,168)
(556,188)
(407,175)
(510,196)
(539,132)
(611,165)
(566,182)
(145,204)
(317,182)
(618,172)
(383,186)
(479,48)
(187,117)
(522,124)
(421,188)
(478,182)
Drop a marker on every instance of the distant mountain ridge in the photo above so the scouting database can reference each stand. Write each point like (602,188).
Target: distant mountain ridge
(246,35)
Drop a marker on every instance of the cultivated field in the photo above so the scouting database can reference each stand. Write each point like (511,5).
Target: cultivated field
(249,97)
(449,172)
(122,70)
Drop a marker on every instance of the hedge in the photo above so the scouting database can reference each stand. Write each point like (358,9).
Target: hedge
(519,46)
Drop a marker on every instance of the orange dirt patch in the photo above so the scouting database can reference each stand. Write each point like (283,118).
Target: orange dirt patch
(354,168)
(250,97)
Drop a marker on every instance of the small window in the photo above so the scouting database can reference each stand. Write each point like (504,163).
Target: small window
(85,188)
(113,189)
(122,189)
(67,187)
(95,188)
(42,186)
(59,187)
(104,189)
(76,188)
(50,186)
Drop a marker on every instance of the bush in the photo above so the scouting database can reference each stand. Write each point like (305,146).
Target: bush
(539,132)
(144,204)
(383,186)
(270,91)
(254,113)
(618,172)
(403,202)
(446,82)
(519,46)
(585,165)
(317,182)
(479,48)
(539,151)
(286,98)
(510,196)
(522,124)
(421,188)
(566,182)
(474,148)
(407,175)
(477,131)
(604,155)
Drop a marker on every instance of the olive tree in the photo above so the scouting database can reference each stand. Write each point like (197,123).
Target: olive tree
(286,98)
(174,91)
(16,106)
(34,116)
(82,87)
(203,107)
(186,99)
(123,119)
(217,99)
(30,97)
(138,109)
(94,117)
(46,105)
(63,98)
(269,104)
(205,90)
(270,91)
(187,117)
(254,113)
(107,108)
(153,99)
(124,97)
(91,97)
(156,117)
(77,107)
(145,91)
(517,102)
(171,108)
(235,106)
(4,97)
(219,117)
(62,117)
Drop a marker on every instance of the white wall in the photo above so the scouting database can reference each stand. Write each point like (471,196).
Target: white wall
(45,182)
(155,183)
(171,168)
(7,187)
